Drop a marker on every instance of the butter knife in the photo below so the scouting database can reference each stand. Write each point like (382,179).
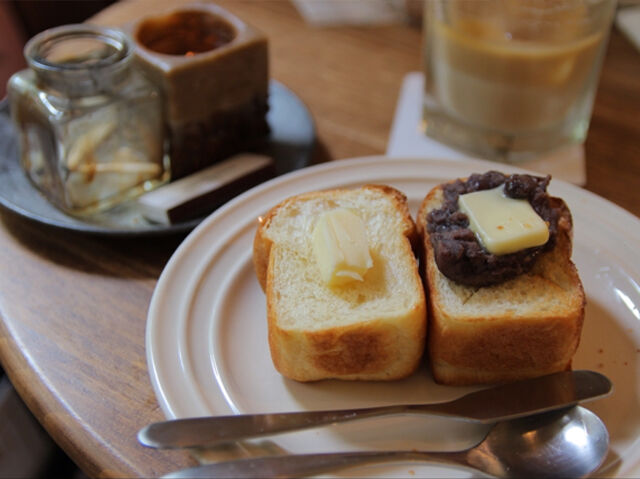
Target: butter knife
(507,401)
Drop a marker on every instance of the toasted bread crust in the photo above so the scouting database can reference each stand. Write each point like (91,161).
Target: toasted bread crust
(504,344)
(367,351)
(376,349)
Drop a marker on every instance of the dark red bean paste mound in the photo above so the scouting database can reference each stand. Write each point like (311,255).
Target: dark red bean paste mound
(458,253)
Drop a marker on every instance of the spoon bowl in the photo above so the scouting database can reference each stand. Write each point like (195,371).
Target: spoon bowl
(567,443)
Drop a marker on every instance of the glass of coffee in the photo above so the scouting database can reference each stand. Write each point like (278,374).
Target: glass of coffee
(512,79)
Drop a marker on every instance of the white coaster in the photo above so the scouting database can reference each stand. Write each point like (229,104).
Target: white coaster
(407,139)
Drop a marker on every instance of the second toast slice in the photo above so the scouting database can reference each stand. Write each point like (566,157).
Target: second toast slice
(527,326)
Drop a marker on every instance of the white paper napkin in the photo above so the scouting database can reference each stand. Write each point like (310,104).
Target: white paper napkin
(407,140)
(351,12)
(628,21)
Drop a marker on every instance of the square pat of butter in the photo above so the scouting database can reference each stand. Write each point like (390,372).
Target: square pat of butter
(502,224)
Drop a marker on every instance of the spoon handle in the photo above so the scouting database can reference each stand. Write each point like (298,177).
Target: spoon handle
(301,465)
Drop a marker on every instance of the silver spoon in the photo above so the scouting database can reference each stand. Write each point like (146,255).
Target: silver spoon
(563,444)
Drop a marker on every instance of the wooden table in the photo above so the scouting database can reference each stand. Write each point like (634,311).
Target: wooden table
(73,306)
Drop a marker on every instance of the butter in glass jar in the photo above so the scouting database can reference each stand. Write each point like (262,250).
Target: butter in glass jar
(90,124)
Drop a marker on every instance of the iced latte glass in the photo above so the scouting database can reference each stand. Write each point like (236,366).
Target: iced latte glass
(511,79)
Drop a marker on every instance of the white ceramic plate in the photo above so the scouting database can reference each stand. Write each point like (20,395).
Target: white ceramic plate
(207,342)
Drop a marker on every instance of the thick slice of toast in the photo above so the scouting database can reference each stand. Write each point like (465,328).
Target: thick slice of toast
(370,330)
(525,327)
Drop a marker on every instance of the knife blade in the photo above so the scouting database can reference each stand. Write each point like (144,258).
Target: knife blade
(507,401)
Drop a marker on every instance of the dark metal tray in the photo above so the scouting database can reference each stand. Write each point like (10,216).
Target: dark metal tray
(290,143)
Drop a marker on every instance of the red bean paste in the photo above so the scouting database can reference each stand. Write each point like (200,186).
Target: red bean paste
(459,254)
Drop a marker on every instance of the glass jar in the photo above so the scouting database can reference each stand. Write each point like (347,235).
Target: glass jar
(91,130)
